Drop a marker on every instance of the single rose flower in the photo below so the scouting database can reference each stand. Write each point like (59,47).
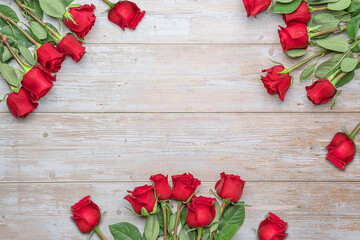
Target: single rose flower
(294,36)
(321,91)
(341,150)
(142,197)
(184,186)
(49,57)
(276,82)
(126,14)
(301,15)
(253,7)
(162,188)
(84,17)
(230,186)
(71,47)
(86,214)
(201,211)
(20,104)
(38,82)
(272,228)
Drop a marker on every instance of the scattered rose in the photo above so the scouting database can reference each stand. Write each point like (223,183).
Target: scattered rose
(294,36)
(184,186)
(86,214)
(201,211)
(71,47)
(321,91)
(276,82)
(253,7)
(230,186)
(20,104)
(142,197)
(49,57)
(126,14)
(301,15)
(272,228)
(341,150)
(162,188)
(84,17)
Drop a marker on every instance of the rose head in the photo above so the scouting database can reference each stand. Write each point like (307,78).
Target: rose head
(184,186)
(272,228)
(321,91)
(49,57)
(71,47)
(294,36)
(162,187)
(230,186)
(86,214)
(38,82)
(142,197)
(253,7)
(301,15)
(341,150)
(20,104)
(201,211)
(126,14)
(84,17)
(275,82)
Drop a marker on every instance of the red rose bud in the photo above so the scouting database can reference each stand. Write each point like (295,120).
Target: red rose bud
(162,188)
(341,150)
(294,36)
(184,186)
(142,197)
(275,82)
(71,47)
(272,228)
(253,7)
(321,91)
(84,17)
(301,15)
(230,186)
(49,57)
(20,104)
(126,14)
(38,82)
(86,214)
(201,211)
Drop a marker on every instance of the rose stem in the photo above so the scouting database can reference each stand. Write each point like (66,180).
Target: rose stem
(306,60)
(109,3)
(164,209)
(317,9)
(354,132)
(177,219)
(199,231)
(322,32)
(224,204)
(97,230)
(334,80)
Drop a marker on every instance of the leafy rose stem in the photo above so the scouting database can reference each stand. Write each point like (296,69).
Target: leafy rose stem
(164,209)
(97,230)
(199,232)
(109,3)
(352,134)
(319,53)
(177,219)
(224,204)
(330,30)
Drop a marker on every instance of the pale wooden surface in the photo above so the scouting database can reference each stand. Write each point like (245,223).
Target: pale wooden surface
(181,93)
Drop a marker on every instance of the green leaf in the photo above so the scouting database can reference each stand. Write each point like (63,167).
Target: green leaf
(348,64)
(319,2)
(125,231)
(326,68)
(324,20)
(36,9)
(230,222)
(307,73)
(346,79)
(53,8)
(9,74)
(38,30)
(183,235)
(27,55)
(286,7)
(15,35)
(6,55)
(334,43)
(67,2)
(152,227)
(183,216)
(215,223)
(284,1)
(353,27)
(340,5)
(294,53)
(171,223)
(6,10)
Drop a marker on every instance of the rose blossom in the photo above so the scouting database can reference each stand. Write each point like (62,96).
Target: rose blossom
(341,150)
(184,186)
(142,197)
(201,211)
(294,36)
(276,82)
(253,7)
(272,228)
(162,187)
(20,104)
(49,57)
(126,14)
(321,91)
(84,17)
(230,186)
(71,47)
(301,15)
(86,214)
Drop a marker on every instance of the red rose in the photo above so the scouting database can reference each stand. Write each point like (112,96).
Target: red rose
(321,91)
(294,36)
(184,186)
(86,214)
(20,104)
(142,197)
(275,82)
(230,186)
(341,150)
(84,17)
(38,82)
(253,7)
(201,211)
(71,47)
(49,57)
(302,14)
(272,228)
(162,187)
(126,14)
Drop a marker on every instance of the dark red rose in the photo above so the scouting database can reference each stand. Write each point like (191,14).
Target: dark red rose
(126,14)
(321,91)
(184,186)
(20,104)
(162,187)
(84,17)
(38,82)
(341,150)
(253,7)
(49,57)
(71,47)
(142,197)
(294,36)
(201,211)
(275,82)
(230,186)
(301,15)
(272,228)
(86,214)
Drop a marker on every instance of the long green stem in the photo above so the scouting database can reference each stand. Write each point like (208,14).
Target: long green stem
(164,210)
(199,232)
(109,3)
(177,219)
(330,30)
(289,70)
(352,134)
(317,9)
(97,230)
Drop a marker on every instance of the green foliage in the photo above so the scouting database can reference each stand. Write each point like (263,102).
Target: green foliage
(53,8)
(231,220)
(125,231)
(286,7)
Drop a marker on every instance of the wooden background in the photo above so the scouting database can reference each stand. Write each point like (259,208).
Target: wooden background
(182,93)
